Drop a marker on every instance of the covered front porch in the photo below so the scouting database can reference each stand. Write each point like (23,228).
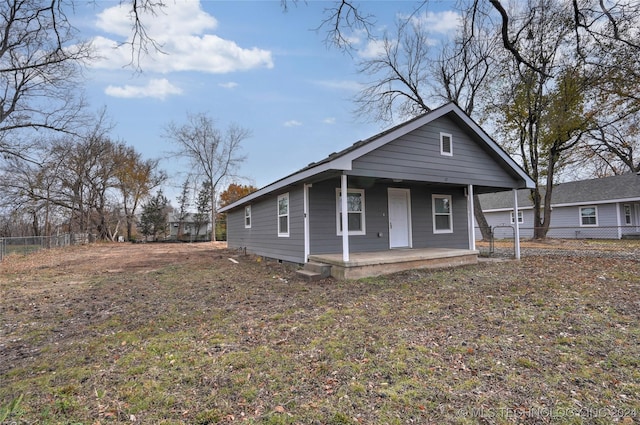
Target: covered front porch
(366,264)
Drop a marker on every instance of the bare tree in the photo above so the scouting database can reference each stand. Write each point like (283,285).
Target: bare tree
(408,75)
(214,155)
(40,62)
(400,75)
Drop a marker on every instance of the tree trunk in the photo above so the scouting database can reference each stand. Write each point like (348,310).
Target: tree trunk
(554,157)
(537,229)
(481,220)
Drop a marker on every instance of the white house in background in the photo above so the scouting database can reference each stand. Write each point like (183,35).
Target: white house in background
(188,229)
(605,208)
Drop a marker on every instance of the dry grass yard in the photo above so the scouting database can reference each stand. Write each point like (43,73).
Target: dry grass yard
(179,334)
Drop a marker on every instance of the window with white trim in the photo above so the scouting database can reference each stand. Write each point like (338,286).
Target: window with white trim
(283,215)
(627,214)
(247,217)
(442,214)
(588,216)
(446,144)
(355,212)
(520,217)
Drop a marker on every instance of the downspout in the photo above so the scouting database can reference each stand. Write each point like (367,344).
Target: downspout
(470,216)
(307,248)
(516,235)
(345,218)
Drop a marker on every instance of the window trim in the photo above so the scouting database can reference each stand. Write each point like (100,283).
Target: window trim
(520,217)
(363,230)
(581,217)
(282,234)
(434,214)
(247,223)
(442,151)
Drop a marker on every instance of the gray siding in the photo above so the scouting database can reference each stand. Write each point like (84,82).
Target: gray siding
(565,223)
(322,221)
(262,238)
(500,221)
(416,156)
(422,217)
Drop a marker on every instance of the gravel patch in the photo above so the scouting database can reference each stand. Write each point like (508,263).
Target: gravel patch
(631,253)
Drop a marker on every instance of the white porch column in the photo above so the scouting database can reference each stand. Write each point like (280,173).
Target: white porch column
(471,218)
(516,236)
(307,248)
(345,218)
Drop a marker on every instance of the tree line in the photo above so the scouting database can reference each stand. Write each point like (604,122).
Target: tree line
(82,184)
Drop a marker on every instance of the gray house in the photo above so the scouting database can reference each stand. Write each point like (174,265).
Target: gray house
(190,228)
(604,208)
(408,197)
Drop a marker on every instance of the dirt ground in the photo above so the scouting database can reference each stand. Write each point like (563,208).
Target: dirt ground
(112,257)
(180,334)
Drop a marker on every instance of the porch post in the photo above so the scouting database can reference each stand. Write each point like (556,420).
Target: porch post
(470,213)
(306,222)
(345,218)
(516,236)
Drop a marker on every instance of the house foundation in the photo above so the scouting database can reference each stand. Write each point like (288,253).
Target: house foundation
(367,264)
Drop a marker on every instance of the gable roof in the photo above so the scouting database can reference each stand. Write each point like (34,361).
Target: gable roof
(625,187)
(342,161)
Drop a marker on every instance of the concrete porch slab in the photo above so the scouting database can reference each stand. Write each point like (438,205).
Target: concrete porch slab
(366,264)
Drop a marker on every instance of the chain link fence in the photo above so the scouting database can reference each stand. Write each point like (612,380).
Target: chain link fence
(29,244)
(506,234)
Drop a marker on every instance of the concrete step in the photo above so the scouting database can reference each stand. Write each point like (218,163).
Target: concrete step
(323,269)
(309,275)
(315,271)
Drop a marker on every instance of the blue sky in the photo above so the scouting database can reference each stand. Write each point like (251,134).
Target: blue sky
(243,62)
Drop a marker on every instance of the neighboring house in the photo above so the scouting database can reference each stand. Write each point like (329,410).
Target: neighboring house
(605,208)
(190,230)
(407,187)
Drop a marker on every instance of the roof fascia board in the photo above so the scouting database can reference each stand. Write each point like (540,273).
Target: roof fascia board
(568,204)
(336,164)
(604,201)
(432,116)
(529,183)
(400,131)
(344,162)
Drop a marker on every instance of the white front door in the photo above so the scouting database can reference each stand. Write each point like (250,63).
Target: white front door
(399,218)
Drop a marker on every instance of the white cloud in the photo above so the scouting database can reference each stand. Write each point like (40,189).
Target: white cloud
(292,123)
(329,120)
(156,88)
(445,22)
(344,85)
(373,49)
(182,30)
(229,85)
